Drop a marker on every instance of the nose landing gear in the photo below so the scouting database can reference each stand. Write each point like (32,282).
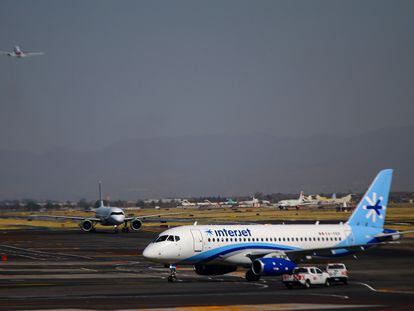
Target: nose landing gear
(173,274)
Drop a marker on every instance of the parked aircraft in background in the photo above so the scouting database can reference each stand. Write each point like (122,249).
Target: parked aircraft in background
(284,204)
(334,200)
(17,52)
(310,200)
(275,249)
(250,203)
(265,203)
(105,216)
(229,202)
(207,203)
(186,203)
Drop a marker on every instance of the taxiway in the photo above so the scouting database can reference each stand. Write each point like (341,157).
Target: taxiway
(68,269)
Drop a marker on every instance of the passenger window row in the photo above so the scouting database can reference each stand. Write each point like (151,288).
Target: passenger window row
(291,239)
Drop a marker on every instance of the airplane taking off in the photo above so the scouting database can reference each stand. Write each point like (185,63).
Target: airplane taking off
(17,52)
(106,216)
(275,249)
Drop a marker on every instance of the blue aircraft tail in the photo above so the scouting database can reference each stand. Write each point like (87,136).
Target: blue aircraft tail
(372,208)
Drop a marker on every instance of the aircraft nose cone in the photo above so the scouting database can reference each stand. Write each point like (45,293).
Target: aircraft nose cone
(149,252)
(119,218)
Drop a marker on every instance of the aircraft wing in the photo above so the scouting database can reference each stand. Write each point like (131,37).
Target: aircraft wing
(329,251)
(34,53)
(391,234)
(319,252)
(153,215)
(56,217)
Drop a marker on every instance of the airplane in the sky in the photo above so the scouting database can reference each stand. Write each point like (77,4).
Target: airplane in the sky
(105,216)
(17,52)
(292,203)
(275,249)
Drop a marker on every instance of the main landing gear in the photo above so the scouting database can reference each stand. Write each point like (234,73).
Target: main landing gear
(125,228)
(173,274)
(251,277)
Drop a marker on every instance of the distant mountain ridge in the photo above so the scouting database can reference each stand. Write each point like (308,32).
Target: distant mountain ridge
(211,165)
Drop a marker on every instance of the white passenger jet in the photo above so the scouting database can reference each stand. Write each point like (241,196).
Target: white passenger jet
(284,204)
(275,249)
(207,203)
(106,216)
(334,200)
(250,203)
(17,52)
(186,203)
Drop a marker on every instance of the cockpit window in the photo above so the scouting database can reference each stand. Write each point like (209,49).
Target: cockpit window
(161,238)
(117,213)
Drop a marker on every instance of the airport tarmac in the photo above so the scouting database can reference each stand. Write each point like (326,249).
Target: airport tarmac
(69,269)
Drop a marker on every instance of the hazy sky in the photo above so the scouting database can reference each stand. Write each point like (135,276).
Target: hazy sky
(116,70)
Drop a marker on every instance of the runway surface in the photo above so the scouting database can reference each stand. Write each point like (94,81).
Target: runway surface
(69,269)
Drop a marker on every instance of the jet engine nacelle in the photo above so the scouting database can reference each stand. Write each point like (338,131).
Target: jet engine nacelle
(87,225)
(272,266)
(136,224)
(213,269)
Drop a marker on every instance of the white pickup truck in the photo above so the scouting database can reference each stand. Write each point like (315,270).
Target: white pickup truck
(337,272)
(306,277)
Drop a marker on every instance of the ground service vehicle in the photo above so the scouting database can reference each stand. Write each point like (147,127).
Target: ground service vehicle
(306,277)
(337,272)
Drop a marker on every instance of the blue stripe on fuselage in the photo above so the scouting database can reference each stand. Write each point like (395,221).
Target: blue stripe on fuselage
(219,251)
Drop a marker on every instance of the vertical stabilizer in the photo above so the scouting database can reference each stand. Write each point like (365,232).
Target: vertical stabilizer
(301,196)
(371,210)
(101,203)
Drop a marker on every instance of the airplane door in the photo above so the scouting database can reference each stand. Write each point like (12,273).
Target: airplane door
(197,240)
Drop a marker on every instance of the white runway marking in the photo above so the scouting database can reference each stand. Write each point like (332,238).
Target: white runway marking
(262,284)
(367,285)
(330,295)
(88,269)
(40,253)
(384,290)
